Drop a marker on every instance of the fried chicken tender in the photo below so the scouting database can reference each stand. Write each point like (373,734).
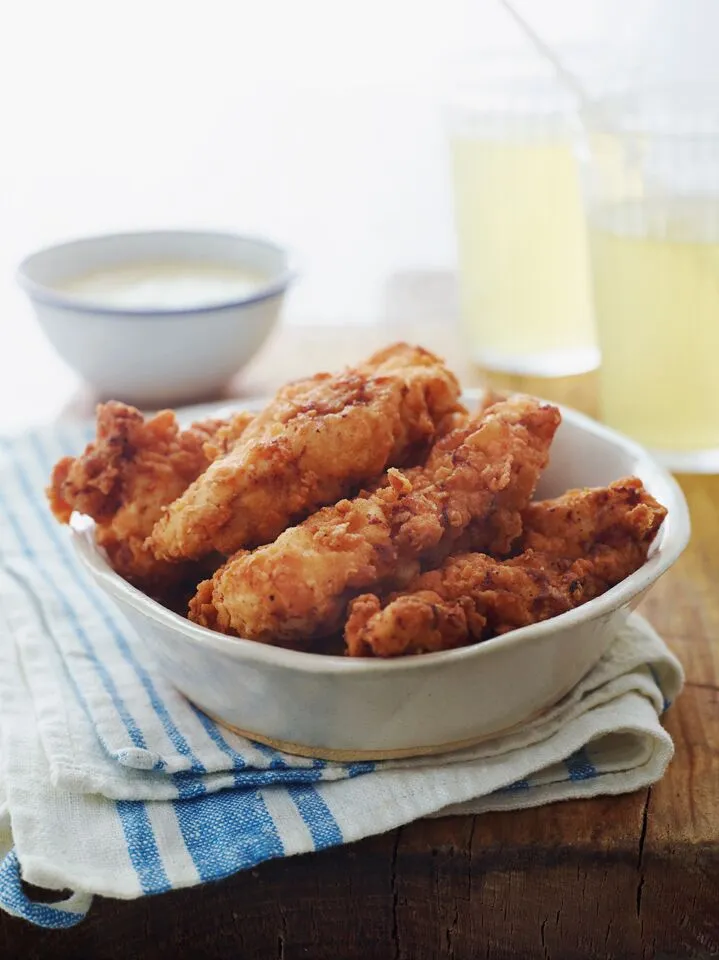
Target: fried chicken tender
(473,596)
(621,515)
(125,477)
(498,530)
(223,434)
(317,441)
(299,586)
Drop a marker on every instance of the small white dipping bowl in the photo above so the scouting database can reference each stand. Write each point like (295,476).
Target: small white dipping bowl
(156,356)
(344,708)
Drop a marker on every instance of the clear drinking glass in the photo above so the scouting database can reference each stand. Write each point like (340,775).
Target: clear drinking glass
(523,263)
(651,180)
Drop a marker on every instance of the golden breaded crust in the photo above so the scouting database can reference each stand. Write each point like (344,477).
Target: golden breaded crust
(299,585)
(317,441)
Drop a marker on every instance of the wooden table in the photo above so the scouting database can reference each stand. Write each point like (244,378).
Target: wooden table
(626,877)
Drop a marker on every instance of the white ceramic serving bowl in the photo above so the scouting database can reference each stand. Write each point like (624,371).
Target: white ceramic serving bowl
(362,709)
(157,356)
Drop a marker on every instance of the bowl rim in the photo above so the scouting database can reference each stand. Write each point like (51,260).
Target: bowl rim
(675,539)
(41,293)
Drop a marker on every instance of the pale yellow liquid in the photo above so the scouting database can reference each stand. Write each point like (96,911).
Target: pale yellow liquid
(656,282)
(524,273)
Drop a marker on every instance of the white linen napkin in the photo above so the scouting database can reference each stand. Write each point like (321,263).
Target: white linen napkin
(113,784)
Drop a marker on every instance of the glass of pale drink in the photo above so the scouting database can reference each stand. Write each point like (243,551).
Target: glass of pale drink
(523,265)
(651,166)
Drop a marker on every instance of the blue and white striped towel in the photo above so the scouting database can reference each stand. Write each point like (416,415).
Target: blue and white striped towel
(111,783)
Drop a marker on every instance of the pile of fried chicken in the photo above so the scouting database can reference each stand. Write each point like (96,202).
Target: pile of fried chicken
(368,506)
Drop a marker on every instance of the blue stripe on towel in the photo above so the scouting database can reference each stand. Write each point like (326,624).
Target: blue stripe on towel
(323,827)
(227,831)
(188,784)
(14,899)
(142,846)
(215,734)
(655,677)
(364,766)
(175,736)
(131,726)
(515,787)
(39,912)
(580,767)
(277,761)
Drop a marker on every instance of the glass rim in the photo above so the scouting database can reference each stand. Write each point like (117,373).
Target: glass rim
(672,112)
(516,81)
(513,95)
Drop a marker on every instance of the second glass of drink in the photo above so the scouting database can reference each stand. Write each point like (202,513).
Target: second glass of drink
(652,193)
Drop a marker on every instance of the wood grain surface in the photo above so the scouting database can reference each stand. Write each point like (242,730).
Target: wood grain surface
(628,877)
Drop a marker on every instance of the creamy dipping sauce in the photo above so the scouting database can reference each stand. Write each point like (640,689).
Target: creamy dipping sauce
(165,285)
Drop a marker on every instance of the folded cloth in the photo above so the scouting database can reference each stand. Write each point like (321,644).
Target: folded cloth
(112,783)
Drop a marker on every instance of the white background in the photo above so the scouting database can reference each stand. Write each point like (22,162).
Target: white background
(313,121)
